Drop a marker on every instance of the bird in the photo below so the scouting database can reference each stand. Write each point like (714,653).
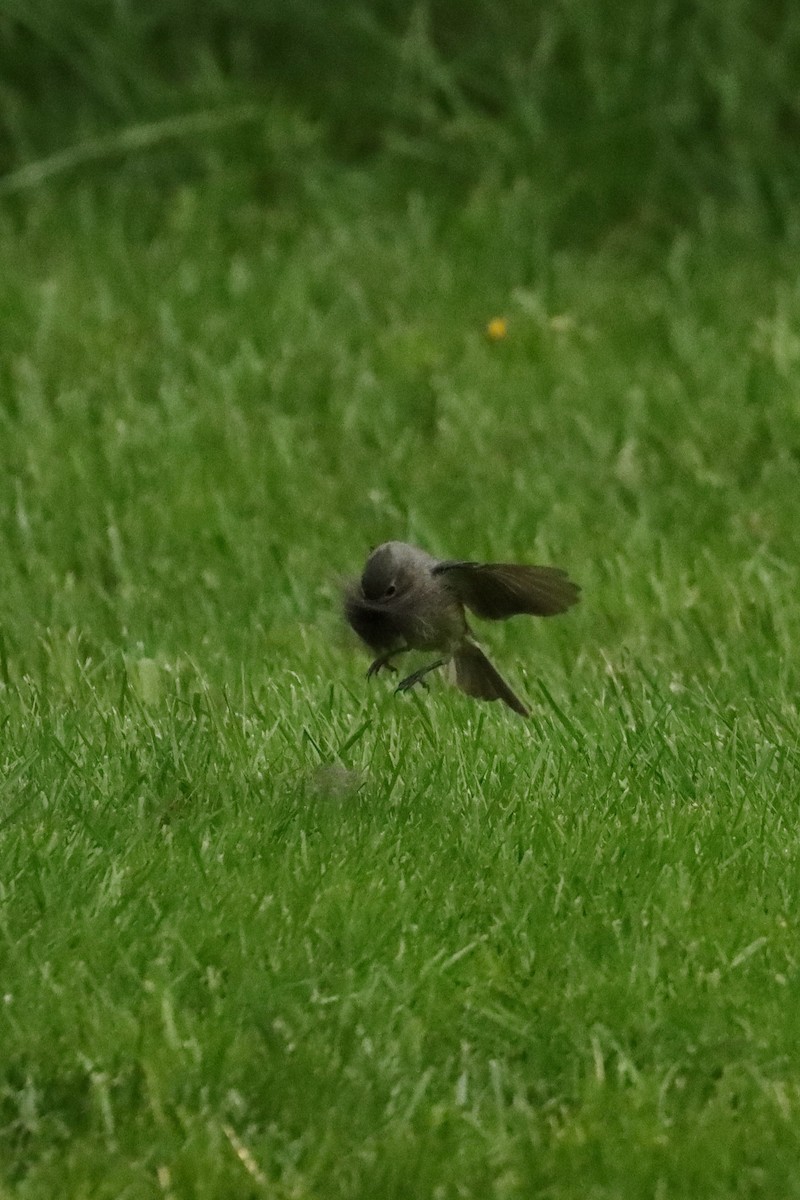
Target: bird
(406,599)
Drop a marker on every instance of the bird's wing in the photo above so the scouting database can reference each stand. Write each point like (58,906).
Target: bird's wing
(499,590)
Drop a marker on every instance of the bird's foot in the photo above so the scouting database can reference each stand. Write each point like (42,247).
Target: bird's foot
(419,676)
(384,662)
(381,664)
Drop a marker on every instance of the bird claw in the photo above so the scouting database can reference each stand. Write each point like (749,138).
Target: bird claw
(380,664)
(405,685)
(419,676)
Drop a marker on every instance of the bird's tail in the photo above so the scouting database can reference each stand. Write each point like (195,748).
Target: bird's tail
(476,676)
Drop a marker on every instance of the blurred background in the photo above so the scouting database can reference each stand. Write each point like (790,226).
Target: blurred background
(624,111)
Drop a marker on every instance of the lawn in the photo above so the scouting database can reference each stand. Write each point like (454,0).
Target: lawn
(268,929)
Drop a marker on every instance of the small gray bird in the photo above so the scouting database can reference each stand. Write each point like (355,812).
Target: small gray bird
(408,600)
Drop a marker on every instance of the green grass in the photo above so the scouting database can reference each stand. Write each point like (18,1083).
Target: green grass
(268,929)
(618,109)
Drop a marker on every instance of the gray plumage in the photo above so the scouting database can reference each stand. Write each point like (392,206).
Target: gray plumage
(408,600)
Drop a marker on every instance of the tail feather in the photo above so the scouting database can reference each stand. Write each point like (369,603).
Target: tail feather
(476,676)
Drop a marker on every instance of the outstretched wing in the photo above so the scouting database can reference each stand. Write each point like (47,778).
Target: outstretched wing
(499,590)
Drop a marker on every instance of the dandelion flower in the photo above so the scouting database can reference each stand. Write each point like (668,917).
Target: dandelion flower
(497,329)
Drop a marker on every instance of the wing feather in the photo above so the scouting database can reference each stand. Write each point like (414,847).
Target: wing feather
(476,676)
(496,591)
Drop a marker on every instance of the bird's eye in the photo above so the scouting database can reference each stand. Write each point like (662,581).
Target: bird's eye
(391,589)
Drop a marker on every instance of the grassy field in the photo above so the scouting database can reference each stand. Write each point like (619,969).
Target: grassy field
(269,930)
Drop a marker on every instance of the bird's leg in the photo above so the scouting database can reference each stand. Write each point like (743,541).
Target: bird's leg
(419,676)
(384,660)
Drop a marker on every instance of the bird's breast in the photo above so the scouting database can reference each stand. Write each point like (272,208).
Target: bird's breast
(373,623)
(435,625)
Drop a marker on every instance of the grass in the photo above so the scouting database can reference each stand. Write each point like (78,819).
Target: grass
(618,109)
(268,929)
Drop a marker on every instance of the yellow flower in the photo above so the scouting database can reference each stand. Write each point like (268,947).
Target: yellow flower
(497,329)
